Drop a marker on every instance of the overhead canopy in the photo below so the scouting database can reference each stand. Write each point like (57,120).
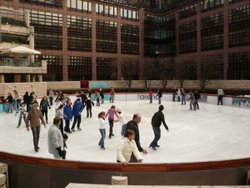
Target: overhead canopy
(22,50)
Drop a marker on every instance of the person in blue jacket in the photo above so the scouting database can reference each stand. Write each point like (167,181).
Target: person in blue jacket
(77,110)
(67,115)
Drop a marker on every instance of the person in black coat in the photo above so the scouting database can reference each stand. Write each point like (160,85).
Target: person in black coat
(159,94)
(26,100)
(156,121)
(89,105)
(133,124)
(44,106)
(10,101)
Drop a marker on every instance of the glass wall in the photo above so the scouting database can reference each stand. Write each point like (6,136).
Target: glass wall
(239,26)
(106,10)
(212,67)
(106,36)
(79,33)
(79,6)
(188,37)
(129,39)
(207,5)
(47,3)
(48,30)
(129,14)
(106,69)
(187,11)
(54,67)
(212,32)
(79,68)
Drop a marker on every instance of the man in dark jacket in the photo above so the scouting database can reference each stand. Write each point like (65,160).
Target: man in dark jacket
(133,124)
(156,121)
(159,94)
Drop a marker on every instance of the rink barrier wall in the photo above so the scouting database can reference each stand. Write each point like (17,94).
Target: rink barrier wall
(26,171)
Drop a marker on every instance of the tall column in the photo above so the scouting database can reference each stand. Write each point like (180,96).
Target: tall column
(33,78)
(177,32)
(141,41)
(32,42)
(226,39)
(65,42)
(17,77)
(28,78)
(94,73)
(1,78)
(198,22)
(40,78)
(119,71)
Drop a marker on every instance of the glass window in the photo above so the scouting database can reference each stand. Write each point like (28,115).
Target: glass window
(73,4)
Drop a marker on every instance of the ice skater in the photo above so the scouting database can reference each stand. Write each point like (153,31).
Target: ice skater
(150,96)
(102,96)
(111,116)
(97,96)
(44,106)
(127,147)
(10,101)
(77,111)
(59,114)
(156,121)
(22,114)
(102,128)
(183,96)
(123,122)
(220,94)
(134,125)
(159,94)
(67,115)
(191,98)
(33,120)
(112,95)
(89,105)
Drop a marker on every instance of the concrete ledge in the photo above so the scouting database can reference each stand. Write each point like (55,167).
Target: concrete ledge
(75,185)
(2,179)
(3,168)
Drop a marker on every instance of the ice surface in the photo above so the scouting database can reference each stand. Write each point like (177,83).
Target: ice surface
(211,133)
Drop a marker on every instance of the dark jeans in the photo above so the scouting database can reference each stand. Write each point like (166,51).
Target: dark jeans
(89,112)
(45,113)
(97,102)
(183,99)
(111,124)
(61,126)
(18,103)
(36,135)
(66,128)
(150,98)
(77,119)
(220,100)
(157,133)
(159,100)
(51,100)
(103,135)
(133,159)
(20,119)
(28,107)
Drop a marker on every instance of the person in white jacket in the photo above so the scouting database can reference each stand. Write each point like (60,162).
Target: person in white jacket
(55,139)
(126,147)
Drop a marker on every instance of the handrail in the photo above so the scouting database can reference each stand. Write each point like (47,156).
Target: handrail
(153,167)
(8,87)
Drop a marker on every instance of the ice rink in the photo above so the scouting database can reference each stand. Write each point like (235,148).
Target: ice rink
(211,133)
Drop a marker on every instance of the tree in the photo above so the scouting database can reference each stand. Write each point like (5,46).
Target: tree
(129,72)
(150,72)
(165,70)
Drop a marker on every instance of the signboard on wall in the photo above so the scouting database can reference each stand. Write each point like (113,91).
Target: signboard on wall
(241,102)
(99,85)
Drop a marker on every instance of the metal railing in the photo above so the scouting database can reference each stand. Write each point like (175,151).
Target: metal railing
(19,63)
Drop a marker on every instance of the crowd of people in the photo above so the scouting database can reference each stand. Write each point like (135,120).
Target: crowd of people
(129,149)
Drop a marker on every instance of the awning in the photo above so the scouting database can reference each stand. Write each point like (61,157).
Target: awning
(20,50)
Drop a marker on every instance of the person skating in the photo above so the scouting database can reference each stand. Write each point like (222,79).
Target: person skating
(59,114)
(44,106)
(22,114)
(150,96)
(134,125)
(197,97)
(112,95)
(60,97)
(102,96)
(111,117)
(77,111)
(102,129)
(159,94)
(67,115)
(183,96)
(33,121)
(55,139)
(83,98)
(220,94)
(51,96)
(26,101)
(10,101)
(123,122)
(178,95)
(97,96)
(192,101)
(126,147)
(89,105)
(156,121)
(18,99)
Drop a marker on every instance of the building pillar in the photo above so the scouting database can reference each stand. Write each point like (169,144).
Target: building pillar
(32,42)
(177,32)
(94,72)
(198,22)
(1,78)
(226,39)
(33,78)
(119,76)
(141,42)
(65,42)
(17,77)
(40,78)
(28,78)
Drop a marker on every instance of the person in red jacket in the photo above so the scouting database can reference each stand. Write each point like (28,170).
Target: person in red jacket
(150,95)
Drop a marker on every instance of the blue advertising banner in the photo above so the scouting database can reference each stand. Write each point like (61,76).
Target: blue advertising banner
(241,102)
(99,85)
